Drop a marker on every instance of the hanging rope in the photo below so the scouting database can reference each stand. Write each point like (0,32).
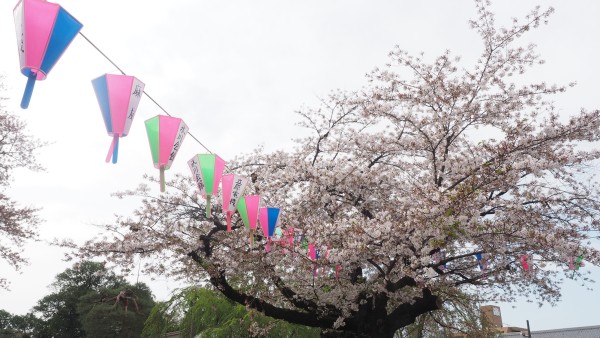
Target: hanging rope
(145,93)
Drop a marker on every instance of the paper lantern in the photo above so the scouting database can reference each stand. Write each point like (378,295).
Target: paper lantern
(118,97)
(207,170)
(480,261)
(165,134)
(438,257)
(278,235)
(233,187)
(289,237)
(269,220)
(44,31)
(304,243)
(285,238)
(248,208)
(278,238)
(312,251)
(575,262)
(525,262)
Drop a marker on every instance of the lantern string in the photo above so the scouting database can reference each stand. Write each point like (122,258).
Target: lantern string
(147,95)
(98,49)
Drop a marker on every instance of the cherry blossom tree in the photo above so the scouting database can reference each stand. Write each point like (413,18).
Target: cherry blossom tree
(18,224)
(437,178)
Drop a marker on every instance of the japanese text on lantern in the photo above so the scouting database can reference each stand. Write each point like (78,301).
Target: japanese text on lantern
(196,172)
(180,135)
(236,192)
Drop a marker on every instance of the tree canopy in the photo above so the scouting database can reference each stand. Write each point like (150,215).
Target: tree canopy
(106,314)
(437,178)
(59,310)
(201,312)
(88,301)
(12,326)
(18,224)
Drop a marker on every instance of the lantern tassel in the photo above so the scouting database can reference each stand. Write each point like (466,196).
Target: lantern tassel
(116,151)
(113,151)
(208,206)
(28,90)
(228,221)
(162,179)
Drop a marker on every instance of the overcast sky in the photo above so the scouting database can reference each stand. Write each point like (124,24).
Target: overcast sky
(235,72)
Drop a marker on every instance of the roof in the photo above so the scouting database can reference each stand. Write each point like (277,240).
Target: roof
(572,332)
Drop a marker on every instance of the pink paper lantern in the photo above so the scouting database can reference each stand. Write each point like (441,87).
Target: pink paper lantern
(248,208)
(165,134)
(269,220)
(118,97)
(233,187)
(525,262)
(207,170)
(44,31)
(312,251)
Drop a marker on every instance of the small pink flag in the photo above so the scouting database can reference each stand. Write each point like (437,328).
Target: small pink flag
(312,252)
(524,262)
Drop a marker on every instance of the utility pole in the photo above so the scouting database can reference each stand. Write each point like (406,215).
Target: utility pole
(528,330)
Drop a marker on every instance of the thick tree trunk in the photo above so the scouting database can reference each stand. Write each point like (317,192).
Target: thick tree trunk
(370,320)
(373,320)
(329,333)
